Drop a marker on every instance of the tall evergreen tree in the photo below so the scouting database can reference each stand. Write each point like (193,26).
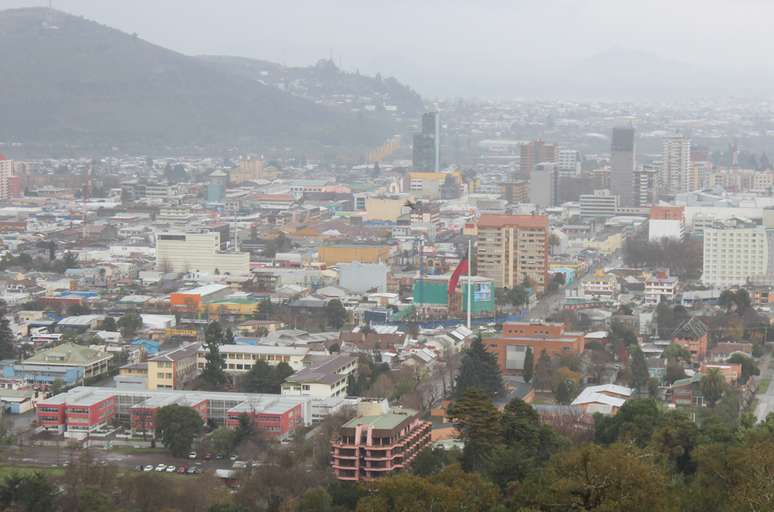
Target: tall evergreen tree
(479,370)
(529,365)
(543,372)
(639,370)
(7,345)
(213,373)
(478,421)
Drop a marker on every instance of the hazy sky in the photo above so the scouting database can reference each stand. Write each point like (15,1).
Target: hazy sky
(447,47)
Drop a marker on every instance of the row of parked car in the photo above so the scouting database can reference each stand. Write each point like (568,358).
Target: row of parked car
(163,468)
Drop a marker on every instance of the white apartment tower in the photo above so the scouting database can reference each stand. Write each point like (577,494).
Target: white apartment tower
(735,256)
(6,171)
(676,173)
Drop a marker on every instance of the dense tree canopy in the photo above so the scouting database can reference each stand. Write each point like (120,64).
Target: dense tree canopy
(178,426)
(479,370)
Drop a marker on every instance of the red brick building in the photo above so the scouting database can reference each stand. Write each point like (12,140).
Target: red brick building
(273,420)
(693,334)
(510,346)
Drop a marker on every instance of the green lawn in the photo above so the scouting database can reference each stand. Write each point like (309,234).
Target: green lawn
(763,385)
(8,470)
(138,451)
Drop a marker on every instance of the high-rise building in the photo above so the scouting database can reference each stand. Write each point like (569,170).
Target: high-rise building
(622,164)
(569,164)
(543,182)
(426,151)
(216,189)
(6,177)
(676,165)
(645,187)
(735,256)
(512,248)
(536,152)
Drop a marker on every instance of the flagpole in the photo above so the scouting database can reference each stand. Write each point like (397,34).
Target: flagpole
(470,281)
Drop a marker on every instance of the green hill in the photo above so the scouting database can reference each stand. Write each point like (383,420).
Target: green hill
(71,82)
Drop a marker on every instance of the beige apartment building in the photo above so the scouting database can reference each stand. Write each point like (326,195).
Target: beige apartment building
(512,247)
(198,252)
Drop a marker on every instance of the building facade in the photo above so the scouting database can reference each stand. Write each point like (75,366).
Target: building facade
(198,252)
(735,256)
(602,204)
(510,346)
(512,248)
(241,358)
(622,164)
(370,447)
(534,153)
(676,165)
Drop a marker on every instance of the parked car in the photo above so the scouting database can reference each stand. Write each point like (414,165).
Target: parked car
(149,467)
(192,455)
(138,467)
(182,469)
(171,469)
(161,467)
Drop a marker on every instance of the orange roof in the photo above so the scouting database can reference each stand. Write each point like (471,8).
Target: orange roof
(667,212)
(520,221)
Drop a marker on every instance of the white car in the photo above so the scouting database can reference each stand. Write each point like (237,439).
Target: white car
(161,467)
(149,467)
(192,455)
(171,469)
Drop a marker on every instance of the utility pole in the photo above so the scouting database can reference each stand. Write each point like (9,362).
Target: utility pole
(470,280)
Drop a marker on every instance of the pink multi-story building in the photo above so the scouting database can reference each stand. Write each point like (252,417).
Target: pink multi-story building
(369,447)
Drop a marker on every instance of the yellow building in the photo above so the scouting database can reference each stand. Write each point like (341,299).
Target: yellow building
(241,306)
(333,254)
(173,369)
(386,208)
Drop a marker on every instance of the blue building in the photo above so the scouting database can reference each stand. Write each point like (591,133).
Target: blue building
(216,190)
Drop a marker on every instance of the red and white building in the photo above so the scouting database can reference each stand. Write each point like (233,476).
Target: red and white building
(77,414)
(85,409)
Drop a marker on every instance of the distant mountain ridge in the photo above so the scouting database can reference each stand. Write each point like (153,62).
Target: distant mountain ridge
(71,82)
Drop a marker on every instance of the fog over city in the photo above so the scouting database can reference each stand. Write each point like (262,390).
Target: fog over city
(528,48)
(394,256)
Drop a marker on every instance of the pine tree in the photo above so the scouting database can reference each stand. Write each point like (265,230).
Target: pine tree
(565,392)
(213,373)
(7,346)
(529,365)
(543,372)
(639,370)
(478,422)
(479,370)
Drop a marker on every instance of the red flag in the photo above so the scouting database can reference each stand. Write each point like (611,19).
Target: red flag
(455,277)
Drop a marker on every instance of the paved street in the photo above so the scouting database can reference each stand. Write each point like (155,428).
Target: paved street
(766,399)
(50,456)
